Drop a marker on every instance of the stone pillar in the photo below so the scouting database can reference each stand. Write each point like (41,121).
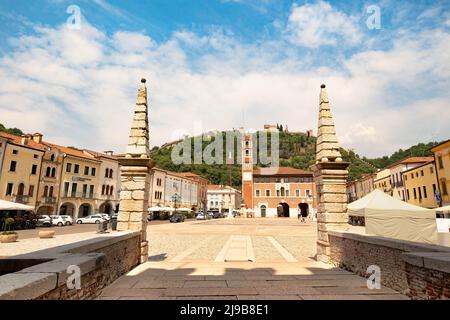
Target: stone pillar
(135,174)
(330,177)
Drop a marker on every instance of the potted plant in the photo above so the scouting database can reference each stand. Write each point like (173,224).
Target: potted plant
(7,235)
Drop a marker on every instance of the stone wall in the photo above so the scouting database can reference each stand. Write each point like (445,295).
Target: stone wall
(420,271)
(101,261)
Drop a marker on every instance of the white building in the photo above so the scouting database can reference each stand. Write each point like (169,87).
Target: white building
(222,198)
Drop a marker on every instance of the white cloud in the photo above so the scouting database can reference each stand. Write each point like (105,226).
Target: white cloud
(318,24)
(78,88)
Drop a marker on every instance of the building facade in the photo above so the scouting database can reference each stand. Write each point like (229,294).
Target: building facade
(442,163)
(21,168)
(109,181)
(421,185)
(283,192)
(170,189)
(79,182)
(223,198)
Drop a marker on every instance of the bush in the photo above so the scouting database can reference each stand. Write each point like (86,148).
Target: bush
(7,233)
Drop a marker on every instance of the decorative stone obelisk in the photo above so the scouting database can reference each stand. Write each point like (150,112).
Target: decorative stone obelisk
(135,174)
(330,176)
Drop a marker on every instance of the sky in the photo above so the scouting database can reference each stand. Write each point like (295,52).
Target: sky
(71,69)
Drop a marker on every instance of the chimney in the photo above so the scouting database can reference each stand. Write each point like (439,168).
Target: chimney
(109,153)
(37,137)
(25,138)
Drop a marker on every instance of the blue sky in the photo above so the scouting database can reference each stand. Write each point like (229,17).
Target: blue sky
(224,64)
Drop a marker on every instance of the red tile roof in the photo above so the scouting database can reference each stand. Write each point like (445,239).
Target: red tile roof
(412,160)
(18,141)
(71,152)
(281,171)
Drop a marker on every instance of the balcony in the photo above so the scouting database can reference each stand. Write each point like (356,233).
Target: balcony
(49,200)
(21,199)
(79,195)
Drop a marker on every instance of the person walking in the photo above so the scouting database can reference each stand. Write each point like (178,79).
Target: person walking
(304,214)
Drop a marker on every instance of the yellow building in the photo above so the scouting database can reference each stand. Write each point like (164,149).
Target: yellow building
(383,181)
(421,185)
(21,168)
(442,163)
(79,182)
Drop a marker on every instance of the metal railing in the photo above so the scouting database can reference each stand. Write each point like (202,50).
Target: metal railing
(79,195)
(49,200)
(22,199)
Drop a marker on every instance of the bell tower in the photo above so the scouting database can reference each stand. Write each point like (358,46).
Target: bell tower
(247,168)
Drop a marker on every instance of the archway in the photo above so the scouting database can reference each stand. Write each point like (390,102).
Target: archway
(283,209)
(263,211)
(105,207)
(304,209)
(85,210)
(67,209)
(45,210)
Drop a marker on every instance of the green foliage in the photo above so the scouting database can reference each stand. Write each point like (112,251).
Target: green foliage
(14,131)
(357,166)
(7,233)
(418,150)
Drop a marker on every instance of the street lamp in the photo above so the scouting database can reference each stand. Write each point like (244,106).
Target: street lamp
(175,199)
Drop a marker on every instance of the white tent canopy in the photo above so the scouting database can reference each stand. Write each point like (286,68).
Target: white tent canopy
(389,217)
(442,209)
(7,205)
(184,209)
(154,209)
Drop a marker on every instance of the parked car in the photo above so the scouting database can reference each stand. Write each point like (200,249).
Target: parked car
(44,221)
(177,217)
(58,221)
(201,216)
(93,218)
(69,219)
(216,215)
(236,214)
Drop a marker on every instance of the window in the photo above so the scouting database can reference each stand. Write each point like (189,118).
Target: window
(53,172)
(74,189)
(84,190)
(93,172)
(111,189)
(412,175)
(282,191)
(50,194)
(267,193)
(278,193)
(52,158)
(297,193)
(31,191)
(107,190)
(308,193)
(406,178)
(106,173)
(417,174)
(68,167)
(34,169)
(415,194)
(440,163)
(66,188)
(257,193)
(86,170)
(407,193)
(9,189)
(424,192)
(421,173)
(444,187)
(103,189)
(45,191)
(91,190)
(35,156)
(287,193)
(111,173)
(15,151)
(12,166)
(431,170)
(47,172)
(420,193)
(76,168)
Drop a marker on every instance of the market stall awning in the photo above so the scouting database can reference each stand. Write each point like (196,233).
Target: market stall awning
(8,205)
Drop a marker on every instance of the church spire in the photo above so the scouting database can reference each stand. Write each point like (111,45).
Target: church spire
(327,143)
(138,141)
